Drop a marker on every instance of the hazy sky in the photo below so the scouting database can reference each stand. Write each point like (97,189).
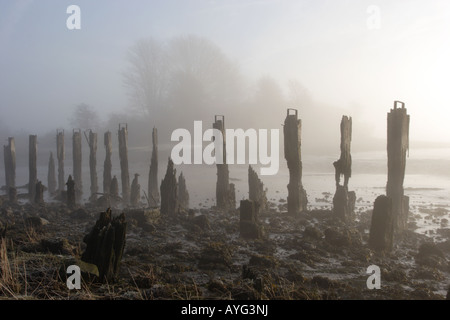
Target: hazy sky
(328,46)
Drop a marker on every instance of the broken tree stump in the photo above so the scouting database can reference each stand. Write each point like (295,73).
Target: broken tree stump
(32,167)
(225,193)
(107,165)
(257,193)
(297,199)
(123,154)
(60,155)
(397,146)
(77,164)
(249,225)
(183,194)
(93,164)
(39,193)
(153,190)
(382,226)
(105,244)
(9,156)
(344,200)
(168,191)
(135,193)
(51,176)
(71,192)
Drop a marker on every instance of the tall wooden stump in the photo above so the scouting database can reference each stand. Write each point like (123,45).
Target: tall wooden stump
(107,165)
(297,199)
(135,193)
(169,191)
(183,194)
(249,225)
(225,193)
(70,192)
(397,146)
(9,155)
(105,244)
(382,227)
(93,164)
(344,200)
(123,154)
(32,167)
(77,164)
(60,155)
(153,190)
(257,193)
(51,176)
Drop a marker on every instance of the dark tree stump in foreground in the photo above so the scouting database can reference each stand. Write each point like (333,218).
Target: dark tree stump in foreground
(70,192)
(382,226)
(169,191)
(105,245)
(249,224)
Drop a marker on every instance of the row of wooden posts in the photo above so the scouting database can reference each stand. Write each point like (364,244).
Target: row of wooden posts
(389,215)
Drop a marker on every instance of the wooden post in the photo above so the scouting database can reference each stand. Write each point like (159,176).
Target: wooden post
(71,194)
(77,164)
(153,190)
(39,193)
(123,154)
(397,146)
(93,164)
(344,200)
(107,166)
(249,224)
(114,191)
(297,199)
(169,194)
(9,155)
(135,193)
(225,194)
(256,192)
(105,244)
(382,226)
(51,177)
(183,194)
(60,154)
(12,195)
(32,167)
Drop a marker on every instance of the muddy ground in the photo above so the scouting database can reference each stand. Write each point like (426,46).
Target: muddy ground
(200,255)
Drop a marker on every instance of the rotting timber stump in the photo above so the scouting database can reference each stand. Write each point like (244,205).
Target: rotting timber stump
(297,199)
(105,245)
(382,225)
(169,191)
(256,191)
(397,147)
(249,225)
(153,190)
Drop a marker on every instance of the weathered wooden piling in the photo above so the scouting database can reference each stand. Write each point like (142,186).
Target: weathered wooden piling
(9,155)
(71,193)
(107,165)
(225,193)
(93,164)
(51,176)
(153,190)
(12,195)
(77,164)
(183,194)
(135,193)
(32,166)
(297,199)
(344,200)
(382,226)
(39,193)
(169,191)
(397,146)
(123,154)
(114,188)
(60,155)
(105,245)
(249,225)
(257,193)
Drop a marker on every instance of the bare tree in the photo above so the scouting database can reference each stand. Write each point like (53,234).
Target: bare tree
(84,117)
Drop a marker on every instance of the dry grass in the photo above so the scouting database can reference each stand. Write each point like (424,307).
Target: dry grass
(10,284)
